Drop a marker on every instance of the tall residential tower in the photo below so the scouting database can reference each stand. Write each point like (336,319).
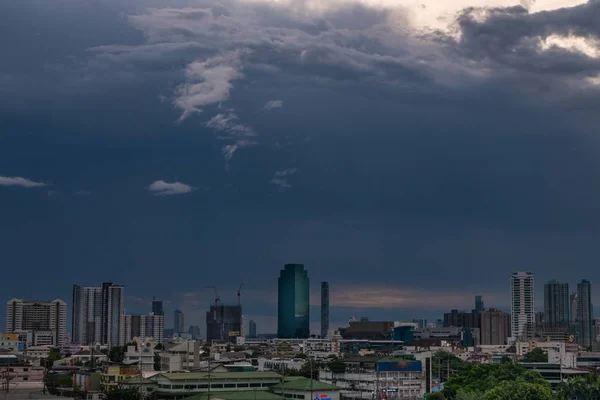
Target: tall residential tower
(522,295)
(293,311)
(585,314)
(40,319)
(97,314)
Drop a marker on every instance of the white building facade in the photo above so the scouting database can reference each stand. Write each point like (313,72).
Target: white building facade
(37,317)
(522,295)
(141,326)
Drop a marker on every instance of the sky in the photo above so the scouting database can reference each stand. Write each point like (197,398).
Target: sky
(411,153)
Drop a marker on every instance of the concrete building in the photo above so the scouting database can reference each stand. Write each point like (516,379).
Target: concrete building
(585,314)
(522,294)
(141,326)
(252,329)
(557,307)
(178,322)
(157,307)
(97,314)
(224,323)
(324,309)
(113,374)
(37,317)
(494,327)
(143,355)
(180,356)
(293,311)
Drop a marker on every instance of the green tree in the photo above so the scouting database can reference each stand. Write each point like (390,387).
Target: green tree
(446,364)
(519,390)
(536,355)
(122,394)
(116,354)
(436,396)
(482,378)
(156,362)
(337,367)
(159,346)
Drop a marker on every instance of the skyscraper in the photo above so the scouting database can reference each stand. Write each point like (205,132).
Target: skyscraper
(324,309)
(522,294)
(293,313)
(178,322)
(223,323)
(141,326)
(479,303)
(556,305)
(585,314)
(47,317)
(157,307)
(97,314)
(252,329)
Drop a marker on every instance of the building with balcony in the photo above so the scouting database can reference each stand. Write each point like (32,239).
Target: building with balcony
(113,374)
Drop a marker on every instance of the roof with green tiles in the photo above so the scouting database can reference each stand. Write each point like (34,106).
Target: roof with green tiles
(304,384)
(190,376)
(239,395)
(134,380)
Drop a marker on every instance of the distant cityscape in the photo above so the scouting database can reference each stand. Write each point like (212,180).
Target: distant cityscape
(110,351)
(98,317)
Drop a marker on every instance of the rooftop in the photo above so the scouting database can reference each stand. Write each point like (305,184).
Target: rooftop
(305,384)
(174,376)
(245,395)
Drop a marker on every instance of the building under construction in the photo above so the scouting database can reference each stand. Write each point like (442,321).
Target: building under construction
(224,323)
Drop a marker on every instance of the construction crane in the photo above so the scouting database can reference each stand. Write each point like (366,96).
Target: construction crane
(239,294)
(217,298)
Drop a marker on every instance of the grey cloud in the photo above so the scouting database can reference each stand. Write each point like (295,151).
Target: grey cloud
(280,178)
(272,104)
(162,188)
(19,182)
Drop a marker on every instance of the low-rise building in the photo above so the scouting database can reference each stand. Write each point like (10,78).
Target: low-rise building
(114,373)
(177,384)
(180,356)
(307,389)
(143,355)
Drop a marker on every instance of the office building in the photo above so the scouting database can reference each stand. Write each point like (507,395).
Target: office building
(479,303)
(421,323)
(585,314)
(39,318)
(178,322)
(461,319)
(324,309)
(194,332)
(141,326)
(557,305)
(97,314)
(293,311)
(494,327)
(252,329)
(223,323)
(157,307)
(522,293)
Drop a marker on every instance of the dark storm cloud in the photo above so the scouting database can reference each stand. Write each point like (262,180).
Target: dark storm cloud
(410,159)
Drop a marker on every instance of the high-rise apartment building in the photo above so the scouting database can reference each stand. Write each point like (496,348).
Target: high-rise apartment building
(557,305)
(252,329)
(224,323)
(293,311)
(141,326)
(178,322)
(324,309)
(97,314)
(157,307)
(585,314)
(522,293)
(479,307)
(494,327)
(41,318)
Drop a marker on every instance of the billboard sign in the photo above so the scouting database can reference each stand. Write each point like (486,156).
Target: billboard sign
(399,366)
(234,333)
(321,396)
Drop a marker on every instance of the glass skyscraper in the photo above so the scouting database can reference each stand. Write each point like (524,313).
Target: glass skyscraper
(293,318)
(585,313)
(557,305)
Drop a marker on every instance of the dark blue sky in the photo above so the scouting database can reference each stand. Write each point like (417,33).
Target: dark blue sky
(168,146)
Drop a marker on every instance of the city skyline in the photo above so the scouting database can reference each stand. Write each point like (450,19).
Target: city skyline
(388,145)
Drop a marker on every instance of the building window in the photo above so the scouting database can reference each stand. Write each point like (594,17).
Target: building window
(177,387)
(255,385)
(188,387)
(229,385)
(242,385)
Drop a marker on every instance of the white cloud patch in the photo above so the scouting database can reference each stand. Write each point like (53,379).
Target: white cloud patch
(228,123)
(208,82)
(273,104)
(19,182)
(162,188)
(281,178)
(230,149)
